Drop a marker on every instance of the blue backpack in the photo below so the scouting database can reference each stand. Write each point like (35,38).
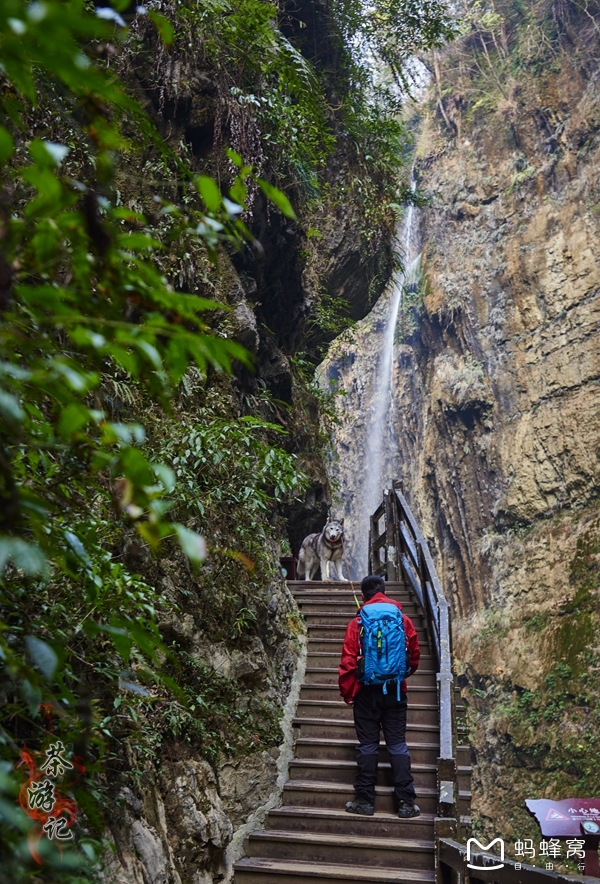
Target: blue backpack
(382,655)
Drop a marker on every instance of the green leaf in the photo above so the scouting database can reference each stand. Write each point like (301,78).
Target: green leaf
(210,193)
(26,556)
(277,197)
(120,639)
(147,638)
(72,418)
(17,26)
(127,433)
(43,656)
(6,145)
(48,154)
(138,242)
(78,381)
(151,352)
(163,26)
(136,467)
(235,158)
(78,548)
(192,544)
(32,696)
(165,475)
(10,408)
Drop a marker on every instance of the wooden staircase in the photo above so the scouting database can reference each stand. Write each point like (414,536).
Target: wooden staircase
(311,838)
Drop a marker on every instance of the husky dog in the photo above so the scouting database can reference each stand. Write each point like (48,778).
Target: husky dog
(323,549)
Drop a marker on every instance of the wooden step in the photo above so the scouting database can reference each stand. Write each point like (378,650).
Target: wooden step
(422,702)
(417,693)
(342,617)
(345,723)
(316,731)
(341,620)
(312,706)
(330,659)
(327,819)
(330,675)
(271,871)
(338,586)
(421,752)
(343,771)
(311,793)
(348,608)
(357,850)
(311,838)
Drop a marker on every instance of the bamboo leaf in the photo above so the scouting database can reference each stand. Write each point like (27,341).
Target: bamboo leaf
(278,198)
(163,26)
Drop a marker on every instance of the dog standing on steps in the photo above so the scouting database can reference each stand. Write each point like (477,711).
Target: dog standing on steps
(323,549)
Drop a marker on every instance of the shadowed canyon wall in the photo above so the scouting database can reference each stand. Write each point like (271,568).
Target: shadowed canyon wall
(496,409)
(189,773)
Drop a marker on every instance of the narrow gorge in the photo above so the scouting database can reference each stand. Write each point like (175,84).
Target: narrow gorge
(258,261)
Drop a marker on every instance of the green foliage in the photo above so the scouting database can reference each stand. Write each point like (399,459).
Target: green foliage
(287,112)
(394,30)
(503,43)
(331,316)
(84,298)
(558,724)
(571,705)
(227,464)
(266,82)
(211,714)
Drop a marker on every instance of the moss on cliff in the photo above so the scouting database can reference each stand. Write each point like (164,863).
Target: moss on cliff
(496,391)
(168,681)
(541,740)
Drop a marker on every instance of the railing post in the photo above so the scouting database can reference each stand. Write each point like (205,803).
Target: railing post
(406,548)
(444,874)
(391,556)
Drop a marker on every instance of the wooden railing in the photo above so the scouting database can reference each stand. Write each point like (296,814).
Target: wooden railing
(400,551)
(453,868)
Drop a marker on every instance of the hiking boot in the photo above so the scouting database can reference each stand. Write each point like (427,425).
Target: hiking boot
(360,805)
(405,811)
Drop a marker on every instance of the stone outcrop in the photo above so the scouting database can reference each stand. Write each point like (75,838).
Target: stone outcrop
(183,806)
(496,422)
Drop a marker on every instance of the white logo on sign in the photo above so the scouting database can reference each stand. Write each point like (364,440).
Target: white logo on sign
(485,847)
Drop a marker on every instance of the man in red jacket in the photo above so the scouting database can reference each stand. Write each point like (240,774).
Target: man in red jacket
(374,709)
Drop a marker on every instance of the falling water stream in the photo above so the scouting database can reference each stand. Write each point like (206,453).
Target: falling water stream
(362,368)
(379,435)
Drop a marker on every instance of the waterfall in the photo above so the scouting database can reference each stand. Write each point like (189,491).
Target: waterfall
(361,366)
(379,431)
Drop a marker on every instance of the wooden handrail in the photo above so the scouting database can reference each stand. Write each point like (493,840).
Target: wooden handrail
(406,552)
(452,858)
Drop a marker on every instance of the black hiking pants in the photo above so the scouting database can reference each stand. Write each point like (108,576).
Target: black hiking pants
(374,710)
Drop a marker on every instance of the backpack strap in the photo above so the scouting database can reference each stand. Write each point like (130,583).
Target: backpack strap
(398,683)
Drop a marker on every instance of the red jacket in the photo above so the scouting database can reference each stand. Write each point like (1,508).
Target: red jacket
(348,680)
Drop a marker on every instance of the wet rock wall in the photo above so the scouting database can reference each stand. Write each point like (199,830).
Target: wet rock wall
(496,423)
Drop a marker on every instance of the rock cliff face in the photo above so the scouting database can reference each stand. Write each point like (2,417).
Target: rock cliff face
(179,809)
(496,415)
